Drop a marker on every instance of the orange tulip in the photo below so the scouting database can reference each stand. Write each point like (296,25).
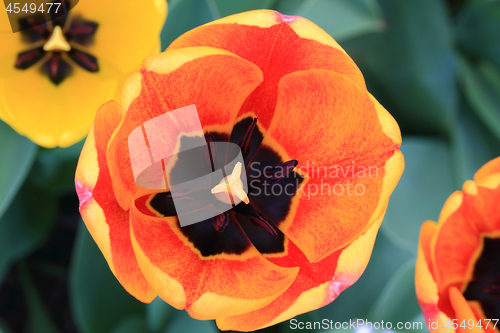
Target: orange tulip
(279,255)
(458,265)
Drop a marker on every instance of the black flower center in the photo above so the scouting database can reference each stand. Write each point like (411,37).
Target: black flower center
(60,41)
(272,183)
(484,286)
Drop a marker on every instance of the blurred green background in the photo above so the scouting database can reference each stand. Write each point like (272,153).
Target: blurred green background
(434,65)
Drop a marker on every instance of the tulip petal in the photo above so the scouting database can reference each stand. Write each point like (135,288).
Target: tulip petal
(489,174)
(479,313)
(208,287)
(215,81)
(48,116)
(62,115)
(458,243)
(285,44)
(316,285)
(453,246)
(389,125)
(462,250)
(463,312)
(351,166)
(138,25)
(12,43)
(425,285)
(106,221)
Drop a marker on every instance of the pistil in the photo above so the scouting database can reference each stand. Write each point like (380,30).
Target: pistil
(231,186)
(57,41)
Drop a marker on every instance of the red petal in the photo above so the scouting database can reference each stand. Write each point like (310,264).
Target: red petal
(463,312)
(489,174)
(425,284)
(208,287)
(316,285)
(330,125)
(466,217)
(106,221)
(278,45)
(215,81)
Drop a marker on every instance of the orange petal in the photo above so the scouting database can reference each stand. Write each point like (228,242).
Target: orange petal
(316,285)
(486,205)
(455,244)
(466,218)
(207,286)
(425,285)
(106,221)
(389,125)
(278,45)
(215,81)
(344,159)
(463,312)
(479,313)
(489,174)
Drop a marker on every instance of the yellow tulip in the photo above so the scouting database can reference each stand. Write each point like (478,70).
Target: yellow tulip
(54,76)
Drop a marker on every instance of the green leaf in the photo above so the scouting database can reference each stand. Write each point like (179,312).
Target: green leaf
(481,86)
(410,68)
(478,27)
(98,300)
(54,169)
(158,313)
(342,19)
(184,15)
(17,154)
(40,320)
(26,224)
(182,322)
(132,324)
(356,301)
(230,7)
(473,145)
(398,301)
(420,194)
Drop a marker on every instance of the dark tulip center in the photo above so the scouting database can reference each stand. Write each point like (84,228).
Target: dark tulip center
(267,178)
(484,286)
(60,41)
(271,181)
